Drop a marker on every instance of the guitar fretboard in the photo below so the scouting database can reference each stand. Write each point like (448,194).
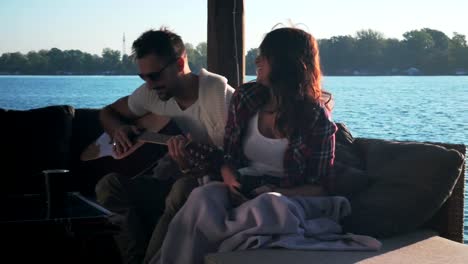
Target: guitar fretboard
(153,137)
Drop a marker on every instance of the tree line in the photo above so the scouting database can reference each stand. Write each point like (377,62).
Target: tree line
(368,52)
(429,51)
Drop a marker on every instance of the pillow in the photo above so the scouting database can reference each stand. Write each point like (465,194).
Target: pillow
(348,177)
(409,183)
(32,141)
(343,135)
(348,181)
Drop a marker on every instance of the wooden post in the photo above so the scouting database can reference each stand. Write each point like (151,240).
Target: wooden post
(222,33)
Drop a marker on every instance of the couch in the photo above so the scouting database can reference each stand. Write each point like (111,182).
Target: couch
(410,195)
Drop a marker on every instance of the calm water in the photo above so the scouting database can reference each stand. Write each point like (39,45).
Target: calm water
(403,108)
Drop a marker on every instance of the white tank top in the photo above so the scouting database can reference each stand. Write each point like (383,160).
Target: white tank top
(266,155)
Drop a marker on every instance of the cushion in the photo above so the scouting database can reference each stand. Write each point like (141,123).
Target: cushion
(32,141)
(409,183)
(348,180)
(349,176)
(343,135)
(419,247)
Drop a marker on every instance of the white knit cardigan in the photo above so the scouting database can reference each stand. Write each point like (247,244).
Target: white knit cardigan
(215,96)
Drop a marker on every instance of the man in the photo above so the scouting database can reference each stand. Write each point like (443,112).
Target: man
(198,105)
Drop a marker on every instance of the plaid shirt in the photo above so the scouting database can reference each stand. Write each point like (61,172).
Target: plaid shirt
(310,152)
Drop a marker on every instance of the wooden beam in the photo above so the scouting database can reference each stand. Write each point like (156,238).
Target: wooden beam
(222,33)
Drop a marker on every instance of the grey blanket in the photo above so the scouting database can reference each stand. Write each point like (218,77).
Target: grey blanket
(207,223)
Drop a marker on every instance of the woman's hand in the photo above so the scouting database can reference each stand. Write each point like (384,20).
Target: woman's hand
(177,151)
(229,177)
(120,136)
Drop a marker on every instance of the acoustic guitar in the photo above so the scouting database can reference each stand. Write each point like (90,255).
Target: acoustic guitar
(202,158)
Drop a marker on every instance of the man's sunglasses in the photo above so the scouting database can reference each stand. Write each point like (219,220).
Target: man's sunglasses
(155,76)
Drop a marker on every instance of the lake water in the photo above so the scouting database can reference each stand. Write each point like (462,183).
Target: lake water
(402,108)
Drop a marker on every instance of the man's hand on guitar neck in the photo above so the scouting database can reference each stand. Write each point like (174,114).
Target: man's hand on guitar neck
(177,151)
(120,136)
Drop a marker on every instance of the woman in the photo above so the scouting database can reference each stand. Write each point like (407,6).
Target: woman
(279,138)
(295,143)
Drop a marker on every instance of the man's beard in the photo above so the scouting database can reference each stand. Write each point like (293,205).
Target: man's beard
(163,93)
(165,96)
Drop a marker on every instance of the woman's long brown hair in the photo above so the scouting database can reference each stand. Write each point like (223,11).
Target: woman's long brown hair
(295,76)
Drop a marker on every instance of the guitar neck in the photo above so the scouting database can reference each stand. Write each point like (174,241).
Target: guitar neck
(153,137)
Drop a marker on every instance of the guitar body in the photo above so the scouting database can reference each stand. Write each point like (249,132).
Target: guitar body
(141,157)
(103,147)
(149,147)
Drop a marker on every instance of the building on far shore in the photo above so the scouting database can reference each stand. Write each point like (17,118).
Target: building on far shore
(413,71)
(461,72)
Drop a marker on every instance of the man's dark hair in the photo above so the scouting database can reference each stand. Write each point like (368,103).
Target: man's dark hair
(163,43)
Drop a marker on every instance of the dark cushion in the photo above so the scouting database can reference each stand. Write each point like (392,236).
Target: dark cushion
(346,151)
(348,181)
(349,176)
(32,141)
(409,183)
(343,135)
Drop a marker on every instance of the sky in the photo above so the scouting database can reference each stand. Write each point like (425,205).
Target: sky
(92,25)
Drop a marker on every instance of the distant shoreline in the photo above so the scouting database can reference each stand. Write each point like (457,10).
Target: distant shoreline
(331,75)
